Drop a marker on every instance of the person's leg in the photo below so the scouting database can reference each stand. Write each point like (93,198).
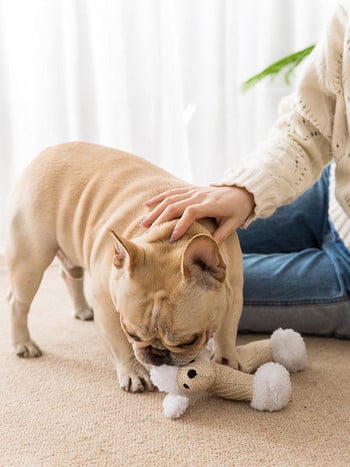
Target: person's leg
(299,225)
(297,271)
(306,291)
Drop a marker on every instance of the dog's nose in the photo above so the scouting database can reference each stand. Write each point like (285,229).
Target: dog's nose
(160,356)
(159,352)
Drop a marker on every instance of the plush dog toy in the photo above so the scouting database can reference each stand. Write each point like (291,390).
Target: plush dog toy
(268,389)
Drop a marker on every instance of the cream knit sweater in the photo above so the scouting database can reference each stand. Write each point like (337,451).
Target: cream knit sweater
(312,130)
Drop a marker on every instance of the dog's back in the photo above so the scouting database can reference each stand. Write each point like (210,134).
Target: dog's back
(70,191)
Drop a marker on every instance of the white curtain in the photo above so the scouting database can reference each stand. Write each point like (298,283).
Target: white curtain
(159,78)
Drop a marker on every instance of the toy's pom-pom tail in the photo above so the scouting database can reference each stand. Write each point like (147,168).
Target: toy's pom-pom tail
(175,405)
(288,349)
(271,387)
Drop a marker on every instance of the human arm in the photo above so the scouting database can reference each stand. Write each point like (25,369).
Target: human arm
(311,130)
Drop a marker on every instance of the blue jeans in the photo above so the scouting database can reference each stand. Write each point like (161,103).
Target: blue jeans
(297,269)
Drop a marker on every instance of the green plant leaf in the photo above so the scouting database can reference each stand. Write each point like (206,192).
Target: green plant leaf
(290,62)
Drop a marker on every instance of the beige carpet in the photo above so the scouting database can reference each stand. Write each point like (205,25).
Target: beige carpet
(66,409)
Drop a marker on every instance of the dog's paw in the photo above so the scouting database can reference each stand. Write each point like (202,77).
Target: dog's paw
(84,315)
(228,360)
(28,350)
(134,378)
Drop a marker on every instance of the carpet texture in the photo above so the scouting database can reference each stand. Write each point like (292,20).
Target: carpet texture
(66,409)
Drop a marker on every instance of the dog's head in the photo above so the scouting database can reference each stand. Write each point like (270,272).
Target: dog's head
(171,297)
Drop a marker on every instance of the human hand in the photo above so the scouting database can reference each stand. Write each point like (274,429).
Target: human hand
(229,205)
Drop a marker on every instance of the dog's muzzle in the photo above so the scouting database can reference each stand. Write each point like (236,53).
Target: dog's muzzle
(159,357)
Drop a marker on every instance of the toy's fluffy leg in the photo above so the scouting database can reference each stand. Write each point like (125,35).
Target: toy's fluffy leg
(285,347)
(271,387)
(254,354)
(288,349)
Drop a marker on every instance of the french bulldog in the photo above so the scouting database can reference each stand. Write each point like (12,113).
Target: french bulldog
(154,300)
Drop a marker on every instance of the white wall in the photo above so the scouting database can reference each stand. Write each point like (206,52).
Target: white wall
(159,78)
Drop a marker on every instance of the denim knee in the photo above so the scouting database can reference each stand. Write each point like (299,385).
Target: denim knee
(309,276)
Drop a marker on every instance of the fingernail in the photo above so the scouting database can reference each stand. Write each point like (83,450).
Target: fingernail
(173,236)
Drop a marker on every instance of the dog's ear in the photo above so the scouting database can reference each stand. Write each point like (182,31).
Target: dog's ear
(126,253)
(202,261)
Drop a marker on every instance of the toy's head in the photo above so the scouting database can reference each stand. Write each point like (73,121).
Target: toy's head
(179,383)
(196,377)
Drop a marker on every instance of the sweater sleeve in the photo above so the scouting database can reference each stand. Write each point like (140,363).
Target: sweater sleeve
(300,144)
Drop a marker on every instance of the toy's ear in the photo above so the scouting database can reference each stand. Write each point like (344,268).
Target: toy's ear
(196,377)
(164,377)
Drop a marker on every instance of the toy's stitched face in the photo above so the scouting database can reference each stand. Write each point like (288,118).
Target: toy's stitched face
(170,301)
(195,378)
(192,378)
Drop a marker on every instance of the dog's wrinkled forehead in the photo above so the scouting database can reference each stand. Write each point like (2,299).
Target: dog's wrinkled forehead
(159,321)
(151,316)
(158,308)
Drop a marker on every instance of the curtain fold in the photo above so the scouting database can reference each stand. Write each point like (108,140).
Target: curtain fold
(159,78)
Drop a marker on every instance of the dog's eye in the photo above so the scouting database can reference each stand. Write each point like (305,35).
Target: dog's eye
(134,337)
(191,342)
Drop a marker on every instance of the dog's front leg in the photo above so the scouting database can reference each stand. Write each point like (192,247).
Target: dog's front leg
(132,376)
(225,337)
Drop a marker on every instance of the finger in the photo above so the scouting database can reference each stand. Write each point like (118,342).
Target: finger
(157,212)
(172,211)
(166,194)
(225,230)
(190,215)
(148,221)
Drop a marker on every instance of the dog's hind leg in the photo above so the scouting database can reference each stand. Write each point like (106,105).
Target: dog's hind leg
(27,260)
(74,278)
